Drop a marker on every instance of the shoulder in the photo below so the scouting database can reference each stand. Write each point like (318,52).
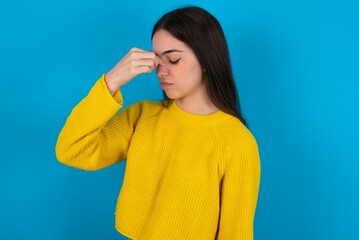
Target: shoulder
(235,131)
(145,108)
(239,139)
(139,111)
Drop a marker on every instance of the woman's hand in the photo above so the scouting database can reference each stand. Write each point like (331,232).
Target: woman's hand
(135,62)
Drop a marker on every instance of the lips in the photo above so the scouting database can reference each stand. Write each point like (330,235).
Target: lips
(165,84)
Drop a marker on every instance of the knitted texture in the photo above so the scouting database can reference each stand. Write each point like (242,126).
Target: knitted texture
(187,176)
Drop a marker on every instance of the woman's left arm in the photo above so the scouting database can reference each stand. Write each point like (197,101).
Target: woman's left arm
(239,191)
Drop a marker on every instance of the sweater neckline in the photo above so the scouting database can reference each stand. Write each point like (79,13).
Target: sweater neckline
(196,120)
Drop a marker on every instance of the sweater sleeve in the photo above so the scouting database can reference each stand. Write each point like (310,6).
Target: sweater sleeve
(239,191)
(94,136)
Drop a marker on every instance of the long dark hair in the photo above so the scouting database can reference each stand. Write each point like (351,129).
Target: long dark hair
(202,32)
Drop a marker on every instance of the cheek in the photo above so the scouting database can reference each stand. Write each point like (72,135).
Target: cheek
(190,70)
(195,73)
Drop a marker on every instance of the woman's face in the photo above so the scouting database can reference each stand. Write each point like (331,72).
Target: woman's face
(179,71)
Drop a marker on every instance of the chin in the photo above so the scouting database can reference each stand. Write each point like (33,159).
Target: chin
(172,95)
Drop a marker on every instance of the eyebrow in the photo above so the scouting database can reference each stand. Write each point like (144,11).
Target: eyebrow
(169,51)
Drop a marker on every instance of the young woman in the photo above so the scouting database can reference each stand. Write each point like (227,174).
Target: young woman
(193,168)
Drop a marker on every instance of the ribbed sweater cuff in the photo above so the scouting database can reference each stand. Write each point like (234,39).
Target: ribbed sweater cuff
(117,96)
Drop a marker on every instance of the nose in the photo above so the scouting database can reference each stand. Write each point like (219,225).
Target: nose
(161,70)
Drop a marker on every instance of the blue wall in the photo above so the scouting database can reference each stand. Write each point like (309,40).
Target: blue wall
(296,66)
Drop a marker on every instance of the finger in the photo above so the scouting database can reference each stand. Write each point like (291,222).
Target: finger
(142,63)
(135,49)
(142,55)
(142,69)
(156,61)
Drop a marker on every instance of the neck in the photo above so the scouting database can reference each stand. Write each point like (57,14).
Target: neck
(196,104)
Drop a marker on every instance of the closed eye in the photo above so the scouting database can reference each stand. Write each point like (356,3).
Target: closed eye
(174,62)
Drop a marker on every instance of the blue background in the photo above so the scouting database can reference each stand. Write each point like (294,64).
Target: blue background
(297,69)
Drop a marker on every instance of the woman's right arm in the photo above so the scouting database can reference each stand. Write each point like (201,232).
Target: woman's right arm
(94,136)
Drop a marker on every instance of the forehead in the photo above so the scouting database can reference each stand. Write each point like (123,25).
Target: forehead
(163,41)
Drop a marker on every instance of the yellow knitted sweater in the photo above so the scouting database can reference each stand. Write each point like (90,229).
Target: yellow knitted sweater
(187,177)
